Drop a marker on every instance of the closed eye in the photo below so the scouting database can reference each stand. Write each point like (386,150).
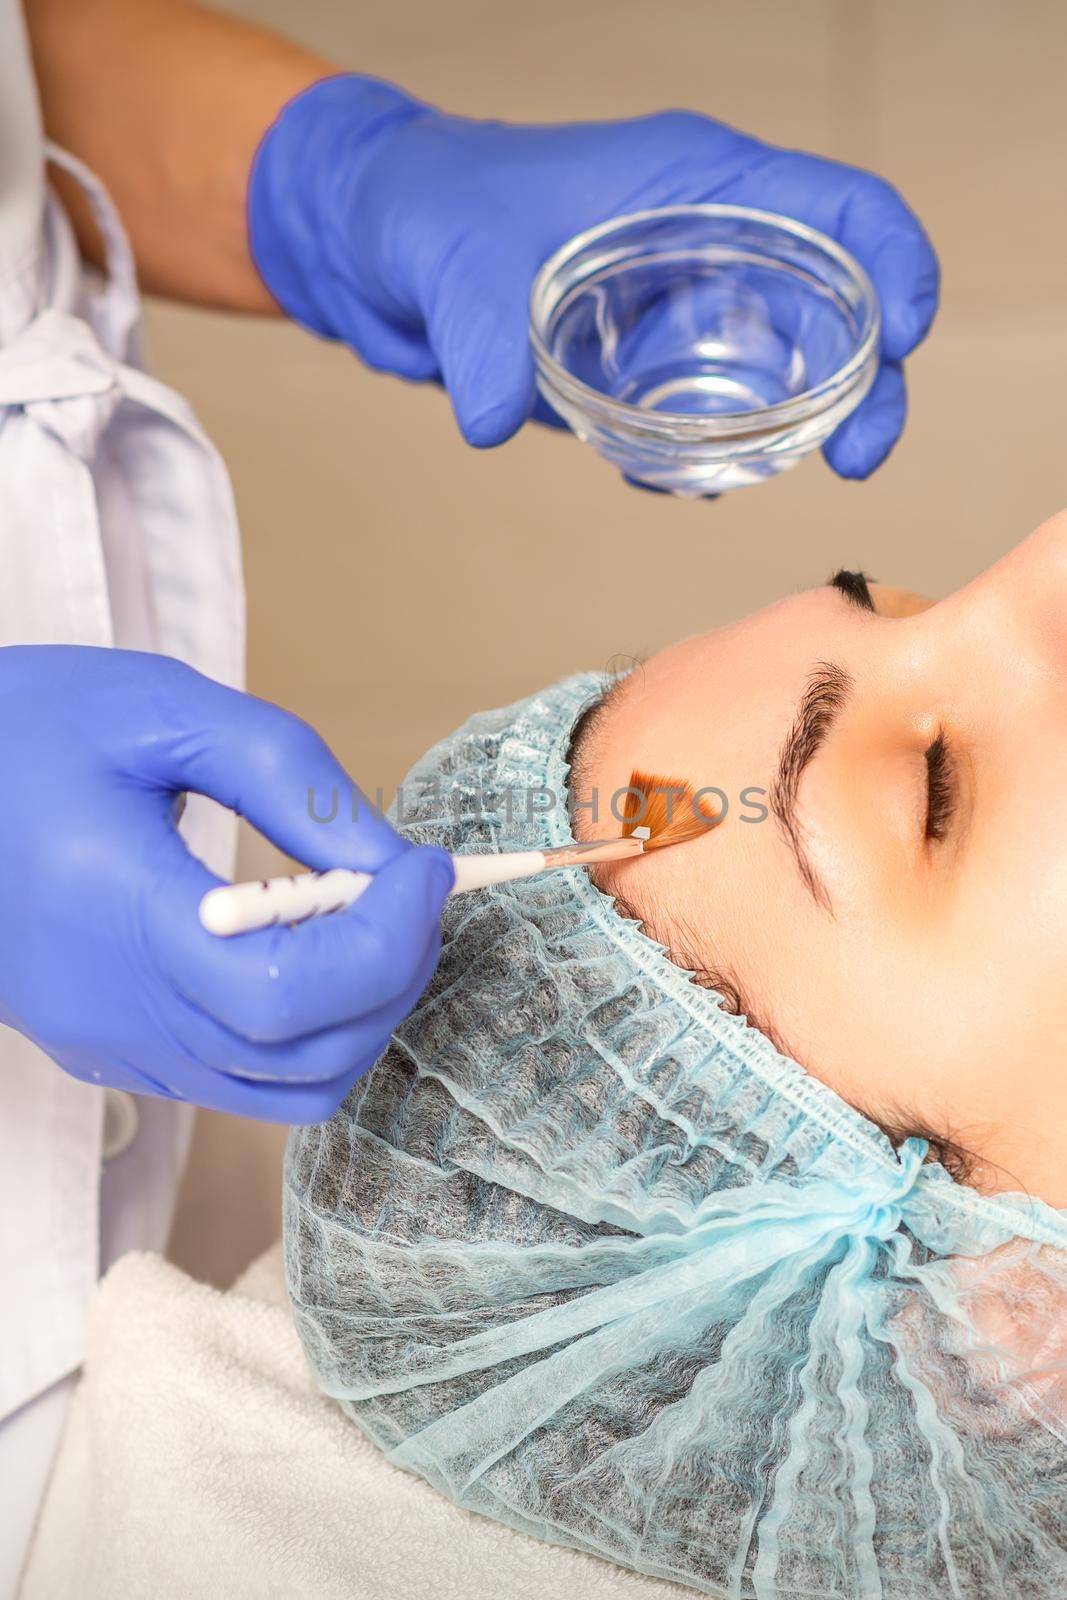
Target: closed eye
(941,788)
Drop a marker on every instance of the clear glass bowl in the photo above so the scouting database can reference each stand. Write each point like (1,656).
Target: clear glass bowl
(703,348)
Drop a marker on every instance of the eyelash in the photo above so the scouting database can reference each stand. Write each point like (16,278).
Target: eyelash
(940,788)
(855,586)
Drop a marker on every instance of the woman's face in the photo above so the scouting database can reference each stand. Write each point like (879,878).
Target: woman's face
(899,919)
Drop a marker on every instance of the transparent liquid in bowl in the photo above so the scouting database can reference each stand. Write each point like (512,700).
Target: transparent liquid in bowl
(701,338)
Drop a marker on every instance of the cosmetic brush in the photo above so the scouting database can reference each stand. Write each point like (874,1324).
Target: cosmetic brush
(242,907)
(665,811)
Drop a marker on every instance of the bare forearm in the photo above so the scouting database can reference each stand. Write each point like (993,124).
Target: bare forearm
(167,101)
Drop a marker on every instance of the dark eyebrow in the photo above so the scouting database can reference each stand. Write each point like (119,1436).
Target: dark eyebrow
(825,697)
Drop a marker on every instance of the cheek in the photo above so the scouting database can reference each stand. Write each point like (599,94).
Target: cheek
(1010,923)
(870,1011)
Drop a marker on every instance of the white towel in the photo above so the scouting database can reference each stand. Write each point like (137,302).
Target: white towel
(199,1461)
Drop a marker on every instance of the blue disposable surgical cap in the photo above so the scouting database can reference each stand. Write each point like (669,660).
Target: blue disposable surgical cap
(587,1253)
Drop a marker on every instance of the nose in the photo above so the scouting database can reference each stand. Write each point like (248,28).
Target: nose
(1014,616)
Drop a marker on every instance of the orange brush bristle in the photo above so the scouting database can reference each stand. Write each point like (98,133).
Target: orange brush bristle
(668,808)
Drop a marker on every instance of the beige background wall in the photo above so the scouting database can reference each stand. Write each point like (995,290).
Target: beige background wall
(398,580)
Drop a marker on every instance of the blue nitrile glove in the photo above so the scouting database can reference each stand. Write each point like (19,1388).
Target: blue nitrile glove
(103,961)
(414,236)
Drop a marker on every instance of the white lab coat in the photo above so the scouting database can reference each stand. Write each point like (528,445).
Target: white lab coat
(117,528)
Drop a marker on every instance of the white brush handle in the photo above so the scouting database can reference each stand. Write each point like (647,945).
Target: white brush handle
(243,907)
(478,871)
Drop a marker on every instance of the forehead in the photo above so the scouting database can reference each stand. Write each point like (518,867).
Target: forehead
(712,709)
